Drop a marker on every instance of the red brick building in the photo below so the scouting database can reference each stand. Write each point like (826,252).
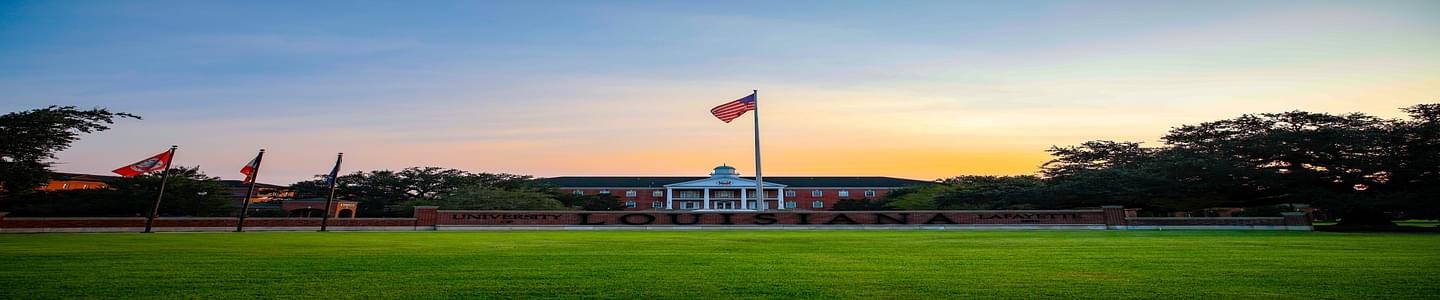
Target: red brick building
(264,192)
(722,190)
(72,181)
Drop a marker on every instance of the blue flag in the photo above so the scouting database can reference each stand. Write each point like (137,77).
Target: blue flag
(330,179)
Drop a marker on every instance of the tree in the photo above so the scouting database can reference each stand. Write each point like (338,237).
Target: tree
(602,202)
(990,192)
(1412,166)
(915,198)
(1103,172)
(1297,157)
(859,205)
(29,138)
(1092,156)
(484,197)
(133,196)
(1359,167)
(569,199)
(392,193)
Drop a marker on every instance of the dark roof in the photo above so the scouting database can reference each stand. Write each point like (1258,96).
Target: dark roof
(792,181)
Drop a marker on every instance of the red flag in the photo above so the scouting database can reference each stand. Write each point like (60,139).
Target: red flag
(249,169)
(730,110)
(154,163)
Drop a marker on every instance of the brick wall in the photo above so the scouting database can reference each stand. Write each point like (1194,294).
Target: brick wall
(1297,218)
(425,215)
(1185,221)
(428,216)
(1114,215)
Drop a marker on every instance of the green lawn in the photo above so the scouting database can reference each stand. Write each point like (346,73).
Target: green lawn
(723,264)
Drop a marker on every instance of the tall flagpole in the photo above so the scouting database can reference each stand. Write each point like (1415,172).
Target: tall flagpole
(334,179)
(254,177)
(759,180)
(155,209)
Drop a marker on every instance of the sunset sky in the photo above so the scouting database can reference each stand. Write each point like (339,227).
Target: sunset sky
(915,89)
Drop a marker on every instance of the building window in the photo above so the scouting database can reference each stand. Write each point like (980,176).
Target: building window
(579,192)
(789,193)
(725,194)
(844,194)
(687,205)
(817,204)
(656,204)
(657,194)
(869,193)
(630,194)
(604,192)
(789,204)
(629,204)
(817,193)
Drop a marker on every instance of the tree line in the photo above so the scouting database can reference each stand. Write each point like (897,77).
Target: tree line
(387,193)
(1361,168)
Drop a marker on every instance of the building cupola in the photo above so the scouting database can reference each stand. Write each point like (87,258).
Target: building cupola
(724,171)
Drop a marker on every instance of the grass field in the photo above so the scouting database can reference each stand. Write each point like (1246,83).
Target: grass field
(712,265)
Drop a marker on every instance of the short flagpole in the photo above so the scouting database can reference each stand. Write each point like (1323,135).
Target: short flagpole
(325,219)
(249,192)
(759,180)
(164,177)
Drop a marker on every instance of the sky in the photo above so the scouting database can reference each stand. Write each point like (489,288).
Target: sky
(913,89)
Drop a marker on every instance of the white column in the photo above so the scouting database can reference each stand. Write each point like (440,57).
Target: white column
(780,195)
(669,194)
(743,203)
(706,205)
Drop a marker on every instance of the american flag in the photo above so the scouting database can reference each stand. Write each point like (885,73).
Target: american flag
(734,109)
(249,169)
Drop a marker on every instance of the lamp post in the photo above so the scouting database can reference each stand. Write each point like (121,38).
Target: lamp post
(199,200)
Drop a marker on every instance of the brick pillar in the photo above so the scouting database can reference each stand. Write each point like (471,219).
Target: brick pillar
(1114,216)
(425,216)
(1297,219)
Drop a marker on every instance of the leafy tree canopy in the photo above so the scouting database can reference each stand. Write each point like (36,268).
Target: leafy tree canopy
(991,192)
(482,197)
(915,198)
(28,139)
(860,205)
(392,193)
(1359,167)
